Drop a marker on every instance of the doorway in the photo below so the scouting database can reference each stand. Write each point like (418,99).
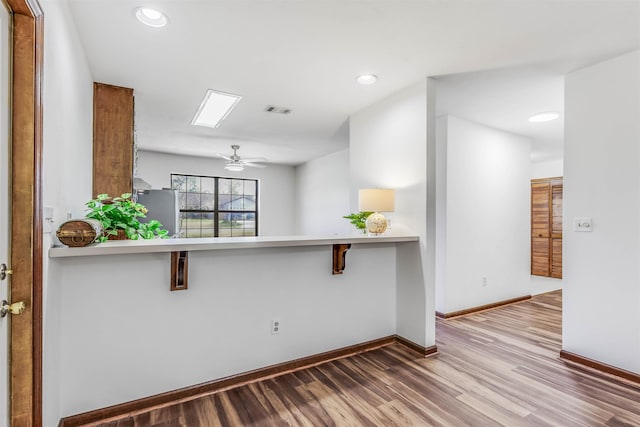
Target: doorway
(490,147)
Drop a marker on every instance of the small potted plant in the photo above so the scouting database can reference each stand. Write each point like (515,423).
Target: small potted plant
(359,220)
(119,218)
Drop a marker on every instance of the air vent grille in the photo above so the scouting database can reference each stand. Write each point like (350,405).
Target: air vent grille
(277,110)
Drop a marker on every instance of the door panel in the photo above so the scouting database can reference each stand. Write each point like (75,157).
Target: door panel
(540,256)
(5,43)
(25,222)
(546,227)
(556,209)
(540,210)
(556,230)
(556,258)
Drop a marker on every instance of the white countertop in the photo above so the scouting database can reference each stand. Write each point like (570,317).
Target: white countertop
(120,247)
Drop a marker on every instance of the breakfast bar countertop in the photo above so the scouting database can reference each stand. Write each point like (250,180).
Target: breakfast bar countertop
(120,247)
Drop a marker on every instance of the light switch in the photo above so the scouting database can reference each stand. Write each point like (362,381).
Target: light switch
(48,219)
(582,224)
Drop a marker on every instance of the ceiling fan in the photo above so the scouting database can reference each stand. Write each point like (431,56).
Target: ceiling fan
(235,163)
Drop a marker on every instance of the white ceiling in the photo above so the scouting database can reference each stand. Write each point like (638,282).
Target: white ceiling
(505,99)
(305,55)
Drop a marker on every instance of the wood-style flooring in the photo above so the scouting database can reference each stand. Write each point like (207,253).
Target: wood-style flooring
(496,368)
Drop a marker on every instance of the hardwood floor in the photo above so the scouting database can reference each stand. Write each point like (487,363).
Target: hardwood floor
(494,368)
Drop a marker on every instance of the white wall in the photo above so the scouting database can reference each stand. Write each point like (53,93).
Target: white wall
(487,203)
(124,335)
(601,309)
(548,169)
(67,159)
(442,129)
(322,196)
(68,118)
(389,149)
(276,185)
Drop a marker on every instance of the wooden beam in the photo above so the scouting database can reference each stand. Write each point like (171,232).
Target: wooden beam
(112,140)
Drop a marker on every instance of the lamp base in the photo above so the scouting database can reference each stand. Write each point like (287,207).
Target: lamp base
(376,224)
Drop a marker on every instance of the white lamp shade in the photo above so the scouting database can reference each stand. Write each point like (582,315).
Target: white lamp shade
(376,200)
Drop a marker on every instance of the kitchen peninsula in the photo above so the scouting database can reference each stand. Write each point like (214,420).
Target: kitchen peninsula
(125,336)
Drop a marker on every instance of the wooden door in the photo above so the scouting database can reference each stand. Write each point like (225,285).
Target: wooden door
(25,220)
(556,229)
(540,228)
(5,58)
(546,227)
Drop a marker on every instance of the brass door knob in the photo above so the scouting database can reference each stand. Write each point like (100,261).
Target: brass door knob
(15,308)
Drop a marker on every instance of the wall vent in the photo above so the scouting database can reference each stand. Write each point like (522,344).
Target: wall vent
(277,110)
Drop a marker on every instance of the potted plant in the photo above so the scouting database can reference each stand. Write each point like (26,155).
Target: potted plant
(119,218)
(359,220)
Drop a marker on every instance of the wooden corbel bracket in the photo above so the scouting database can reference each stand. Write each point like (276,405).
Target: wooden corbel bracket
(339,257)
(179,270)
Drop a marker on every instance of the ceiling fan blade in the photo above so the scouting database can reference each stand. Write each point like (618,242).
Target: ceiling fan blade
(223,156)
(254,165)
(255,159)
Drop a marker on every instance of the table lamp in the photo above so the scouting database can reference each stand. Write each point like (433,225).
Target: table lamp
(376,200)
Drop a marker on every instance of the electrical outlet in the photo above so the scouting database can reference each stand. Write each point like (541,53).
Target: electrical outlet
(484,280)
(275,327)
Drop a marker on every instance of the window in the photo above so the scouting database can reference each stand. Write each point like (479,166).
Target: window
(216,207)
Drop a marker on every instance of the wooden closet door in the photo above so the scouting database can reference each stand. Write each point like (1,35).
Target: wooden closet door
(540,228)
(546,227)
(556,229)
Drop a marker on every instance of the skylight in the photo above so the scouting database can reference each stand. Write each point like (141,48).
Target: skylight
(215,107)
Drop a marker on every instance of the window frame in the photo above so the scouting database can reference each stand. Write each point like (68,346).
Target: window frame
(216,210)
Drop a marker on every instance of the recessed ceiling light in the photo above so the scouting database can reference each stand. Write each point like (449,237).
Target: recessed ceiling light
(151,17)
(367,79)
(546,116)
(214,108)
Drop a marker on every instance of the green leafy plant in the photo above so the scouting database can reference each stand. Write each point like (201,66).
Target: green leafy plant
(122,213)
(359,220)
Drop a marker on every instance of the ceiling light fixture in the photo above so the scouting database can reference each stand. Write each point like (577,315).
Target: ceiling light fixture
(214,108)
(151,17)
(546,116)
(234,167)
(367,79)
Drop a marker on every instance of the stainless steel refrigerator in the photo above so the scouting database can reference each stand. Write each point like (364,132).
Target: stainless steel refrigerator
(162,205)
